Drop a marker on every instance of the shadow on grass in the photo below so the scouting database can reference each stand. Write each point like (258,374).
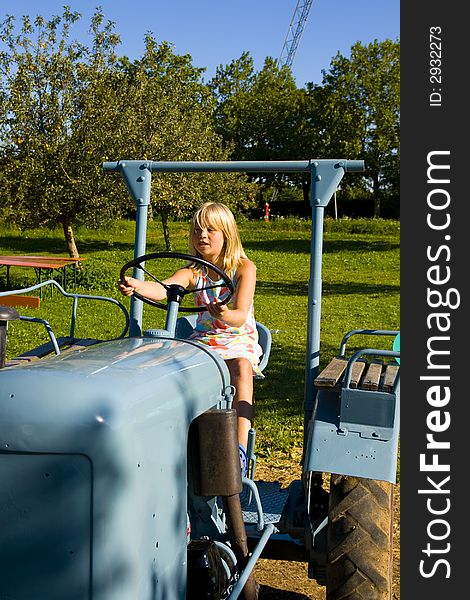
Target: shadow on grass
(282,388)
(282,288)
(293,288)
(20,244)
(365,289)
(352,245)
(286,246)
(279,398)
(302,246)
(30,245)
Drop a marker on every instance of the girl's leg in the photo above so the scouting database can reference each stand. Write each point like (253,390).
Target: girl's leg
(241,377)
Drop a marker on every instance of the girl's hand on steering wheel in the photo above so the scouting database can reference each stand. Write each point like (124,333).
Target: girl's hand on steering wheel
(127,287)
(217,310)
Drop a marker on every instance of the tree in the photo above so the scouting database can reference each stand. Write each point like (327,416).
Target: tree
(65,108)
(360,102)
(353,114)
(59,119)
(170,117)
(257,111)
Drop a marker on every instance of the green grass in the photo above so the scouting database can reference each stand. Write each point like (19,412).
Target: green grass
(361,282)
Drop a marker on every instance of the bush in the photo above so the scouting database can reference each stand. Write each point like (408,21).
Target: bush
(97,277)
(371,226)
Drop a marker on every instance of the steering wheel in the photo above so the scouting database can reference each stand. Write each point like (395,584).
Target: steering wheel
(175,291)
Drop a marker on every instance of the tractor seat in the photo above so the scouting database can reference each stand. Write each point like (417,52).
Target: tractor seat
(185,326)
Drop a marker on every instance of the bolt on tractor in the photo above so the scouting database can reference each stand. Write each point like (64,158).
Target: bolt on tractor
(119,464)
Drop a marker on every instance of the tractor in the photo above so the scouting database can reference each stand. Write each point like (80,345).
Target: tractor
(119,467)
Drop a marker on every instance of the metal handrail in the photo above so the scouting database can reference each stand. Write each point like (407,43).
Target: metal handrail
(73,318)
(342,348)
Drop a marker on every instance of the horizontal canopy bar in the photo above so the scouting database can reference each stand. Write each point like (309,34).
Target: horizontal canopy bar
(236,166)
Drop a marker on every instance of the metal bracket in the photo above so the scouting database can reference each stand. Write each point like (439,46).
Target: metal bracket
(326,176)
(137,176)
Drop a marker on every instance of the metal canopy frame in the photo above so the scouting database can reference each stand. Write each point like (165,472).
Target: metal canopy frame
(325,175)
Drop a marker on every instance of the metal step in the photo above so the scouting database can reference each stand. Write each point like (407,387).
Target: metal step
(272,499)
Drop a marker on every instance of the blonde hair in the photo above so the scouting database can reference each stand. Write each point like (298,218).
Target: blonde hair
(219,217)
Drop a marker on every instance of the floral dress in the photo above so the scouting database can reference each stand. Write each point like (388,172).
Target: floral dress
(229,342)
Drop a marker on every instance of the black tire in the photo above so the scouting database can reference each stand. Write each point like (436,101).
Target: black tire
(359,539)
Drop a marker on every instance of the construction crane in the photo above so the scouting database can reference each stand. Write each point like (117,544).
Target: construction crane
(294,33)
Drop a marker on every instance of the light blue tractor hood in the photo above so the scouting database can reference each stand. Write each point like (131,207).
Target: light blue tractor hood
(93,461)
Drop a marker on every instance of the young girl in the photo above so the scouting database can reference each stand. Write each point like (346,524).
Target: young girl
(227,329)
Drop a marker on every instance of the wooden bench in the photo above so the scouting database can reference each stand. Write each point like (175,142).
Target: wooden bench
(17,300)
(40,263)
(374,375)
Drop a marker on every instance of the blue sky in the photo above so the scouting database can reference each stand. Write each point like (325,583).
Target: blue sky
(214,32)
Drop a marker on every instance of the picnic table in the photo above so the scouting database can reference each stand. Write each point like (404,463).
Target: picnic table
(49,264)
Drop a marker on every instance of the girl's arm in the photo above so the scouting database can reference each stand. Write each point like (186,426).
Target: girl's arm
(154,290)
(236,315)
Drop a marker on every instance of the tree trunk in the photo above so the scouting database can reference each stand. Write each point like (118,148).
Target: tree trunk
(166,231)
(69,238)
(377,196)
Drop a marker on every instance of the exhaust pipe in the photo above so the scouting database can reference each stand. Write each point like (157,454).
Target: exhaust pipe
(219,474)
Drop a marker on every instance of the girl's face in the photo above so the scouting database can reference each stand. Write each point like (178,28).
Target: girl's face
(209,242)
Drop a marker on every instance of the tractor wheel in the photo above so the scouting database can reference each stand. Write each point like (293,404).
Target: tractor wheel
(359,539)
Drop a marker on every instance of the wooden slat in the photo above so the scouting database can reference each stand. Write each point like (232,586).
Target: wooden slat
(389,377)
(332,373)
(356,373)
(372,376)
(40,262)
(16,300)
